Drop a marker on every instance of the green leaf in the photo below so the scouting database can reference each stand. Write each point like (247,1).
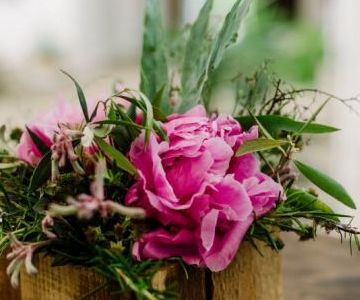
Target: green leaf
(228,32)
(149,116)
(154,69)
(40,145)
(259,145)
(11,165)
(81,97)
(274,124)
(204,58)
(120,159)
(325,183)
(196,59)
(41,173)
(304,201)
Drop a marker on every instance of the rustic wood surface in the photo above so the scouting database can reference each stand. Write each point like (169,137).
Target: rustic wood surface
(60,283)
(250,276)
(191,287)
(320,270)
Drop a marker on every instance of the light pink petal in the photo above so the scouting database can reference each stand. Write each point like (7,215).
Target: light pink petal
(226,245)
(208,229)
(221,153)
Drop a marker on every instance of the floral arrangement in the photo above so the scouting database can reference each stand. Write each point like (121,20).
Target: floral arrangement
(127,184)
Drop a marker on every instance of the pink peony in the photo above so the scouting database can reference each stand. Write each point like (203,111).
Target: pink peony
(203,197)
(45,125)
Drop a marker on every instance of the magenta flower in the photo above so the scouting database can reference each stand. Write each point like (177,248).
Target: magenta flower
(203,197)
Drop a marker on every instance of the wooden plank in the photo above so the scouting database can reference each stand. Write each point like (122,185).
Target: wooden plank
(5,287)
(250,276)
(60,283)
(192,287)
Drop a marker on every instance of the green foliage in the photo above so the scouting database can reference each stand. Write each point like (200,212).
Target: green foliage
(154,68)
(215,50)
(304,201)
(325,183)
(259,144)
(41,173)
(293,45)
(195,65)
(81,96)
(274,124)
(120,159)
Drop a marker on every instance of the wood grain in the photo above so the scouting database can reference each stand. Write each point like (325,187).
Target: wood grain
(250,276)
(60,283)
(187,285)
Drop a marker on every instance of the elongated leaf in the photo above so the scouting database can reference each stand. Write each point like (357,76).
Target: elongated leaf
(325,183)
(81,96)
(313,116)
(154,69)
(194,69)
(307,202)
(117,156)
(149,116)
(228,32)
(259,145)
(274,124)
(226,36)
(41,173)
(40,145)
(11,165)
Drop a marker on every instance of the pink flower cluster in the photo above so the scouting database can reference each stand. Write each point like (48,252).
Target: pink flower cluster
(46,124)
(203,197)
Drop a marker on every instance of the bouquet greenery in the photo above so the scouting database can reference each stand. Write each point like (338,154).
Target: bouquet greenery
(124,185)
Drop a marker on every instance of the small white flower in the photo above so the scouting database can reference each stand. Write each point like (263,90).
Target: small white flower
(88,137)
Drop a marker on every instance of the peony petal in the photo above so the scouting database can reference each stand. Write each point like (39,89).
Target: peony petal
(244,166)
(208,228)
(226,245)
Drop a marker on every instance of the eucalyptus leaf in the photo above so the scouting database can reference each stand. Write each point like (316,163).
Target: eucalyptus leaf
(325,183)
(40,145)
(81,96)
(120,159)
(194,69)
(41,173)
(203,57)
(259,144)
(229,31)
(154,68)
(275,123)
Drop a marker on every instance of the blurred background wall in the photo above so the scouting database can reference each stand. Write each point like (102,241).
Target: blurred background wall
(312,43)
